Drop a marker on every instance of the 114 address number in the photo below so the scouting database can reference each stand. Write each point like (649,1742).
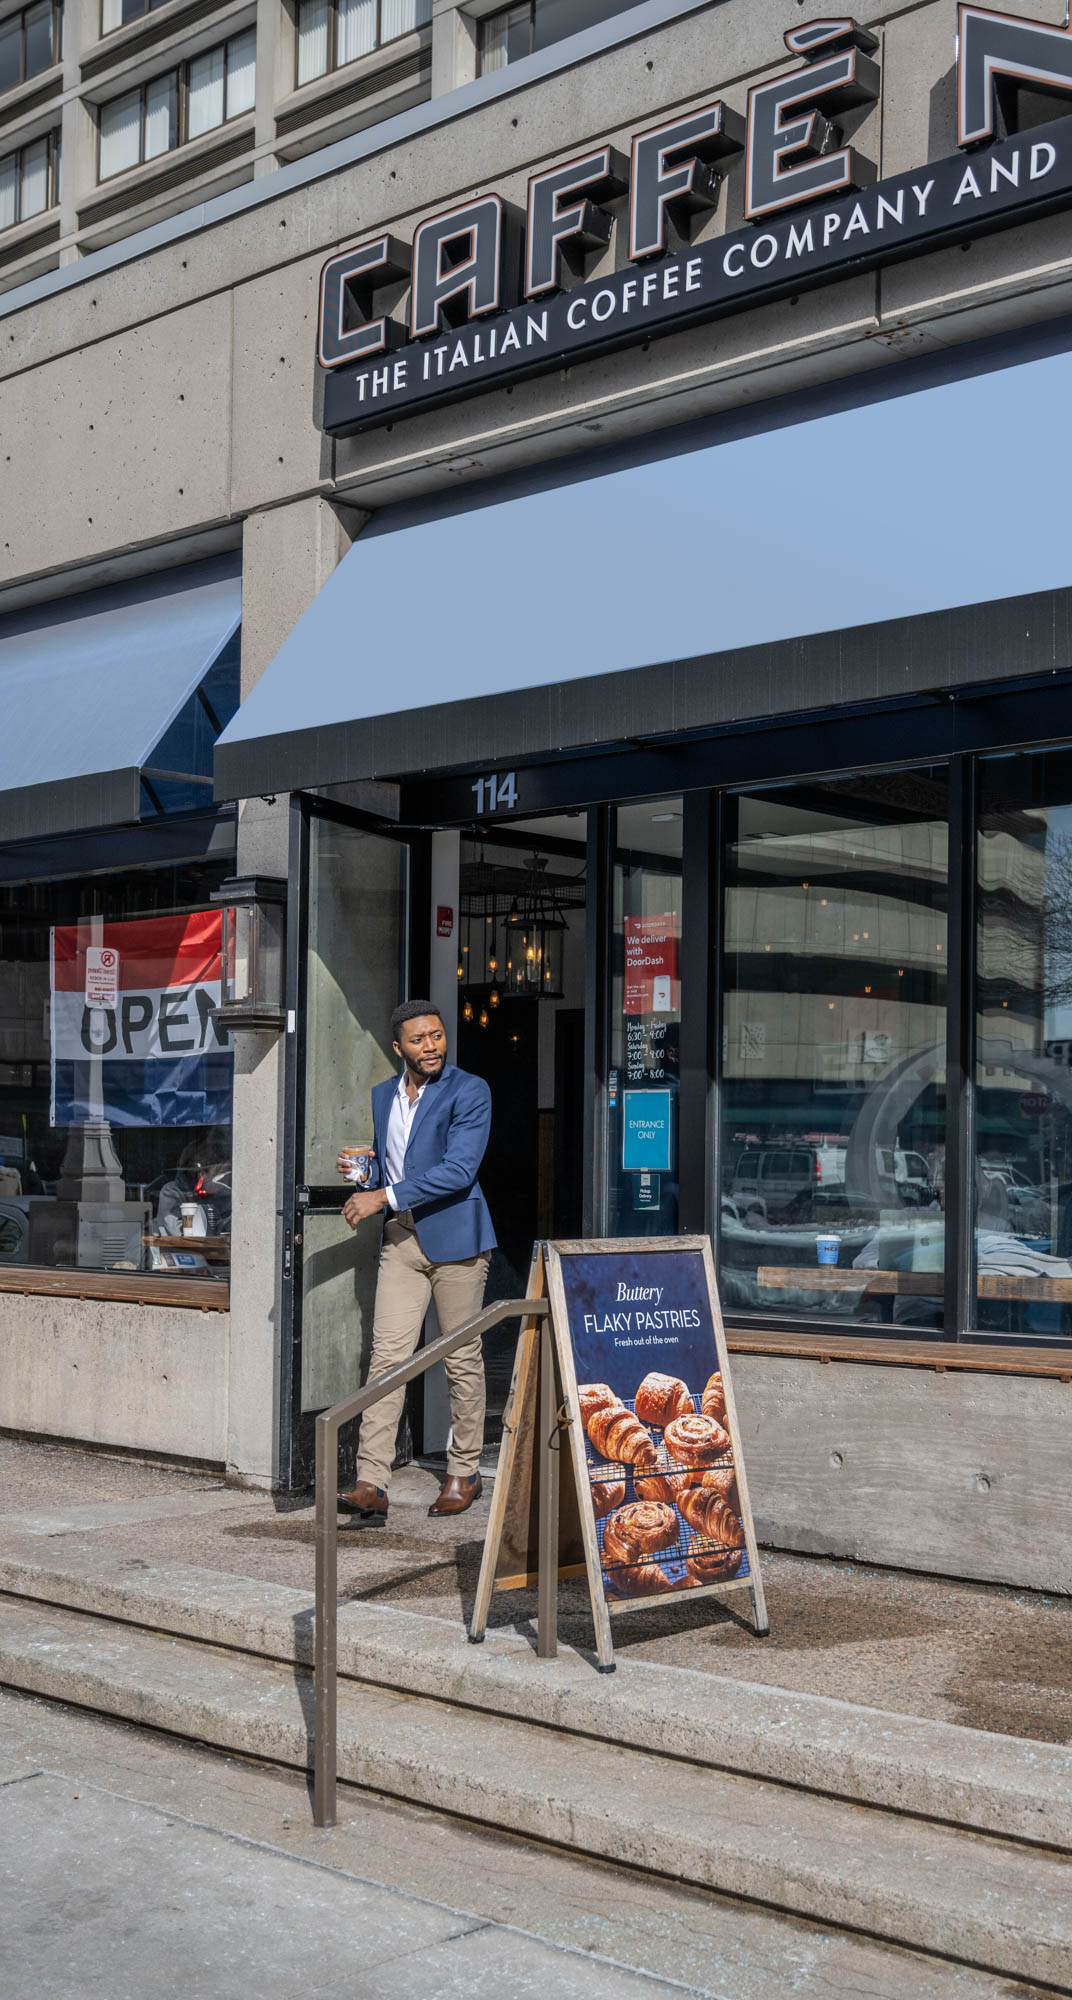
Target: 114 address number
(497,793)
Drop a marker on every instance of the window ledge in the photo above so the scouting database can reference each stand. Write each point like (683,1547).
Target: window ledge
(147,31)
(138,1288)
(24,96)
(169,169)
(22,236)
(355,77)
(978,1358)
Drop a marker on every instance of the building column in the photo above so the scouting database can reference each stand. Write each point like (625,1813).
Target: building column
(454,47)
(287,554)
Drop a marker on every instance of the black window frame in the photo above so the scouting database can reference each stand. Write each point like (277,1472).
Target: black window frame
(57,43)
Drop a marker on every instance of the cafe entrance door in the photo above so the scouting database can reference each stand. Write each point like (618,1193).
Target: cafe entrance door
(352,960)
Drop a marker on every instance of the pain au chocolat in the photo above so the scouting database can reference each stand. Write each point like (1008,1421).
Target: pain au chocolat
(607,1494)
(621,1438)
(712,1565)
(661,1398)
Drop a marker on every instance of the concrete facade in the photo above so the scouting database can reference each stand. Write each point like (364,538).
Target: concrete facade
(161,402)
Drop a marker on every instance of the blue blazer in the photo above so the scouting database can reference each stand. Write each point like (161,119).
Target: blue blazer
(447,1140)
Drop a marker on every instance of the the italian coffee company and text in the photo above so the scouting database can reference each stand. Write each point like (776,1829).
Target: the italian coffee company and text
(583,538)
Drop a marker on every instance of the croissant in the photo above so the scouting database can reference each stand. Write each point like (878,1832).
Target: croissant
(593,1396)
(661,1397)
(695,1440)
(713,1400)
(642,1529)
(620,1437)
(607,1494)
(724,1483)
(711,1565)
(664,1486)
(708,1515)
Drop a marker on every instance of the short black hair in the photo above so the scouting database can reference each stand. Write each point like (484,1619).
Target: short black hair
(411,1010)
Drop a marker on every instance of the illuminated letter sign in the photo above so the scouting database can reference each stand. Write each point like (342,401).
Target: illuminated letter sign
(794,158)
(670,173)
(457,266)
(557,226)
(347,284)
(996,52)
(476,323)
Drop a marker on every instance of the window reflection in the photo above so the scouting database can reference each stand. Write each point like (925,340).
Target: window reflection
(833,1094)
(1023,1099)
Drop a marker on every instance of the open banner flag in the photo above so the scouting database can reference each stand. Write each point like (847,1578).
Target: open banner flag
(133,1038)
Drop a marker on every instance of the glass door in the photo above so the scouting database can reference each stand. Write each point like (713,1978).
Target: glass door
(351,966)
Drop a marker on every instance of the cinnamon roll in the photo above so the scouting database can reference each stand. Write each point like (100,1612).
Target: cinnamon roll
(708,1515)
(621,1438)
(695,1440)
(713,1400)
(660,1398)
(607,1494)
(644,1528)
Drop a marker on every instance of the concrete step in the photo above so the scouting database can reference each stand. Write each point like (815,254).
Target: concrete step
(1008,1786)
(1002,1906)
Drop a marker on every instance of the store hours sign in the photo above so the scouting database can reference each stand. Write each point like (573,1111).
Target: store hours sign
(490,298)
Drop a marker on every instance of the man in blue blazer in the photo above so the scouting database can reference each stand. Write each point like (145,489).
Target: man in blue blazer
(430,1131)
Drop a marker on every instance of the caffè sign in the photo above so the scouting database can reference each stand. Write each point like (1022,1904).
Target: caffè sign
(491,297)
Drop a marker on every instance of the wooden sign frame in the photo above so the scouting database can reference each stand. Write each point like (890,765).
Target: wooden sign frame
(542,1524)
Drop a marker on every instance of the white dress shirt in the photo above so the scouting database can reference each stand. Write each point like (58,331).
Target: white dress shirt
(403,1112)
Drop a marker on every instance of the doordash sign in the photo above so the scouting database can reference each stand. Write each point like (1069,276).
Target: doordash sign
(485,296)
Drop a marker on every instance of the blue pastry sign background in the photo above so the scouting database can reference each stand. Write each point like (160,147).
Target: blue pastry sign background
(659,1449)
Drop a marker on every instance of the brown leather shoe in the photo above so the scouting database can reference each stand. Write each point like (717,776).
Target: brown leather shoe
(367,1501)
(457,1492)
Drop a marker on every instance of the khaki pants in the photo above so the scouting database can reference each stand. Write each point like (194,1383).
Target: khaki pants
(404,1287)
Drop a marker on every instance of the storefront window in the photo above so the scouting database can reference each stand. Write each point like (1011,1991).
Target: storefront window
(115,1082)
(645,1021)
(833,1075)
(1023,1093)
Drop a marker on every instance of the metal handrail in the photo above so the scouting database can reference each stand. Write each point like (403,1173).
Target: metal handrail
(328,1426)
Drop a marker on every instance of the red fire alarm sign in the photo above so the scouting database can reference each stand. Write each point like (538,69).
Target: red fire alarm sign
(444,920)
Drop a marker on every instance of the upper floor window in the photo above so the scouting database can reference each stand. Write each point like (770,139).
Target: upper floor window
(116,13)
(29,180)
(334,32)
(518,31)
(506,37)
(182,104)
(30,42)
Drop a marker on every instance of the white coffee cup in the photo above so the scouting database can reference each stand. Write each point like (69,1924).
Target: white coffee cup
(188,1212)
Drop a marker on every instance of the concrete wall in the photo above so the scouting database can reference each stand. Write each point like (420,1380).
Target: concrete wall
(177,392)
(151,1379)
(959,1473)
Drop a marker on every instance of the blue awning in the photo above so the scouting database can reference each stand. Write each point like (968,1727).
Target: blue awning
(111,701)
(886,498)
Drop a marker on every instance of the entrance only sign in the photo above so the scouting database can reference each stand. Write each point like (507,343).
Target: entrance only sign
(652,1499)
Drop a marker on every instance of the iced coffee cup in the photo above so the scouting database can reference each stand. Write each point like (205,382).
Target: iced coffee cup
(355,1160)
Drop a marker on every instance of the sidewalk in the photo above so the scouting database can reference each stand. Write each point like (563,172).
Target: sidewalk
(983,1657)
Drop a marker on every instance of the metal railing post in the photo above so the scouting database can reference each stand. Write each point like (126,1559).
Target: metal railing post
(325,1614)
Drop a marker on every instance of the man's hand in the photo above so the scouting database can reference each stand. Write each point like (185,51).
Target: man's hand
(361,1206)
